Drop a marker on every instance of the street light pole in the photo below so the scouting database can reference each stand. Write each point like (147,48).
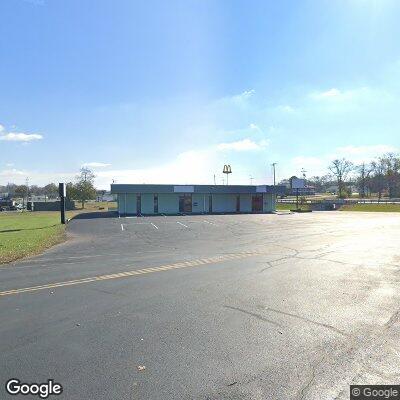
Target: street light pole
(273,167)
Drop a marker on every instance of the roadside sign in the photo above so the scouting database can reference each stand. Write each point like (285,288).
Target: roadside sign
(62,191)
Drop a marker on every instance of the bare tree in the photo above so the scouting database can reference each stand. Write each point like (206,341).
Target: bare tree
(391,164)
(340,169)
(319,182)
(85,175)
(364,171)
(378,182)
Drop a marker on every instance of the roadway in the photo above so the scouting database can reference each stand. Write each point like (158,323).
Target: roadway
(292,306)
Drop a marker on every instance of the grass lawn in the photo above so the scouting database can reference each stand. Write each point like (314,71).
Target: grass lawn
(97,205)
(23,234)
(372,207)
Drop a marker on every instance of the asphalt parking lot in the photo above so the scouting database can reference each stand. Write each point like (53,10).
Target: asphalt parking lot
(293,306)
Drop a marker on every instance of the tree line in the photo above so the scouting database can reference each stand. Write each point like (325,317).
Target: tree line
(82,189)
(380,176)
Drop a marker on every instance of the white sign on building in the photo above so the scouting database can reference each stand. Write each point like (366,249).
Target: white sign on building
(184,189)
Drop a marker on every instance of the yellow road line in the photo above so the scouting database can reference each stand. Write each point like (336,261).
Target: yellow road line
(161,268)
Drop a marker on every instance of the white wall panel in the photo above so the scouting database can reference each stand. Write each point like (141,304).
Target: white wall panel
(168,203)
(245,202)
(224,202)
(148,203)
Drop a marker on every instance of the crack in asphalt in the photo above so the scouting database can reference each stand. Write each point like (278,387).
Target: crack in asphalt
(258,316)
(395,318)
(304,390)
(321,324)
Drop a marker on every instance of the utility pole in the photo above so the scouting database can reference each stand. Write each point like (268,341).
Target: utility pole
(251,180)
(27,195)
(273,167)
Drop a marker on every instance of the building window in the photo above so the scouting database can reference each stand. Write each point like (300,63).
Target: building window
(237,203)
(156,204)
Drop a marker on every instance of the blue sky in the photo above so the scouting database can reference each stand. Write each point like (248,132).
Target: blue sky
(168,92)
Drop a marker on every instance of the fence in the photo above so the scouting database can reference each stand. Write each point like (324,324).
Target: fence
(340,201)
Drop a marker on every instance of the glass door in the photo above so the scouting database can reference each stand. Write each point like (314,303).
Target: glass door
(185,203)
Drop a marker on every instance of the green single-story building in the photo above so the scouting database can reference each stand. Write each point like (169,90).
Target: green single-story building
(195,199)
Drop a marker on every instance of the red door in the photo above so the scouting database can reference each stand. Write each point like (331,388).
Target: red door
(257,203)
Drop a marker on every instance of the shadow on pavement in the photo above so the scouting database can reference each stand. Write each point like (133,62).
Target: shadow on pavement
(96,214)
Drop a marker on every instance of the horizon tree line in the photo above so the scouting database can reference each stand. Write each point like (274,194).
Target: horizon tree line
(380,176)
(82,189)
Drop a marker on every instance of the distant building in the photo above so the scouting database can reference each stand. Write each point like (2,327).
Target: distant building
(195,199)
(107,196)
(41,198)
(334,189)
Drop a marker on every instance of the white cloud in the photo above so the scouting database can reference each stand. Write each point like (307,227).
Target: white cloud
(327,94)
(192,166)
(9,164)
(96,165)
(243,145)
(245,95)
(254,127)
(313,166)
(240,98)
(12,173)
(199,166)
(20,137)
(285,109)
(366,151)
(358,94)
(19,176)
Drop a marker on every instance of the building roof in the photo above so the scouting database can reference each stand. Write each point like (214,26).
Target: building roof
(232,189)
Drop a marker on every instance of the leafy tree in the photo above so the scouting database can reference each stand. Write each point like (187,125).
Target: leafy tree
(84,189)
(340,169)
(51,190)
(21,190)
(71,192)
